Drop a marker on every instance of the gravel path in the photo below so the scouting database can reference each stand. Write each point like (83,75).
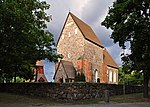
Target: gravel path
(147,104)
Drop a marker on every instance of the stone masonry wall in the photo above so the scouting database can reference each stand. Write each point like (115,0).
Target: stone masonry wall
(94,54)
(71,42)
(68,91)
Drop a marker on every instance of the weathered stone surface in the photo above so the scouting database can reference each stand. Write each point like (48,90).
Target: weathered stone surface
(72,91)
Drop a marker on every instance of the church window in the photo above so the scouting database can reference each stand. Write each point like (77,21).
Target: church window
(69,24)
(110,76)
(69,34)
(76,31)
(69,55)
(96,76)
(114,76)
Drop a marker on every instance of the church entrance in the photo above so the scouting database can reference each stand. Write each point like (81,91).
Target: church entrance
(97,79)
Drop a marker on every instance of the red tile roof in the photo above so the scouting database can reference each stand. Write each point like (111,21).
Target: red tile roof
(108,60)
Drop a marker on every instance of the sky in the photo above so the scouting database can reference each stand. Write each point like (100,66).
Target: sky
(92,12)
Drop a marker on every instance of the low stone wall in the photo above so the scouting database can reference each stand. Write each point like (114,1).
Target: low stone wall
(67,91)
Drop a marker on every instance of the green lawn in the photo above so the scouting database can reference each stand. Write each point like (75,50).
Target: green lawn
(129,98)
(12,98)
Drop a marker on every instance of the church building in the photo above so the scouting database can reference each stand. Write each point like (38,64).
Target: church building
(83,53)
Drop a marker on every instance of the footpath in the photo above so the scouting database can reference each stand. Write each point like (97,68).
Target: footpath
(142,104)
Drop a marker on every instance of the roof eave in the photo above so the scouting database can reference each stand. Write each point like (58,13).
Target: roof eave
(113,66)
(62,29)
(94,43)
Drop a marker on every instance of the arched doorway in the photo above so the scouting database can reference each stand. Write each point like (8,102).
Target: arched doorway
(61,80)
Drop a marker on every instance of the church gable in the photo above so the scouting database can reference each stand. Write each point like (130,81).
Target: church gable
(65,72)
(70,30)
(60,73)
(71,41)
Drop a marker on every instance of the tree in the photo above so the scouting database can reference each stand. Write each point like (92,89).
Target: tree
(130,78)
(130,22)
(24,39)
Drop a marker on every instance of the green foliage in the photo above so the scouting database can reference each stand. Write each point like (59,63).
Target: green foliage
(24,39)
(1,76)
(18,80)
(130,78)
(130,22)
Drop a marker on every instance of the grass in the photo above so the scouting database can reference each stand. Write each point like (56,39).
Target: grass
(129,98)
(23,99)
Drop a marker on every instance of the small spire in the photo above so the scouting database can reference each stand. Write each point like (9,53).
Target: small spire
(69,9)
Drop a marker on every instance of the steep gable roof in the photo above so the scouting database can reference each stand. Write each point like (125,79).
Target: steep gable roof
(108,60)
(68,68)
(86,30)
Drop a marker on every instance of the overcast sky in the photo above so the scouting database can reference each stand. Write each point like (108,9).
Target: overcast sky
(92,12)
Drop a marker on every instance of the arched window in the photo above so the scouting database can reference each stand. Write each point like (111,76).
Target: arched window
(69,34)
(114,77)
(69,55)
(96,75)
(110,76)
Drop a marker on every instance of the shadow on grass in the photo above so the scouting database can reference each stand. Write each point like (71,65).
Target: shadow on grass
(37,101)
(129,98)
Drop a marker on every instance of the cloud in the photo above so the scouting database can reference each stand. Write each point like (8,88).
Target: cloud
(59,10)
(95,11)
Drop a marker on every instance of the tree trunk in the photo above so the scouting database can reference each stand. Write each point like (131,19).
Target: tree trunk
(146,81)
(15,77)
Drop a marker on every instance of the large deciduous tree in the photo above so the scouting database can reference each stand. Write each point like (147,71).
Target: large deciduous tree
(23,38)
(130,22)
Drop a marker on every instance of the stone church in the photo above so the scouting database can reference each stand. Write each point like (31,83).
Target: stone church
(83,53)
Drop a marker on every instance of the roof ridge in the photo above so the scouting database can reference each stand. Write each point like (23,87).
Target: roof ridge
(78,18)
